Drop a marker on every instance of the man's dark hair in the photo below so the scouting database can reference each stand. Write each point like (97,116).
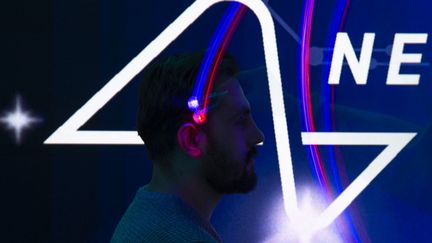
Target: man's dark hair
(168,83)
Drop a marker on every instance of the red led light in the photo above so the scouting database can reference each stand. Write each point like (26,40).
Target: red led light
(199,117)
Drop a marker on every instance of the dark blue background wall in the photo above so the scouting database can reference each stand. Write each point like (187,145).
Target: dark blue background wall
(57,54)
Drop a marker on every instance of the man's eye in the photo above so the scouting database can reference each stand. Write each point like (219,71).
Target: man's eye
(243,119)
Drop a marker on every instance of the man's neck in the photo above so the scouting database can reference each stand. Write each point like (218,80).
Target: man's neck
(192,190)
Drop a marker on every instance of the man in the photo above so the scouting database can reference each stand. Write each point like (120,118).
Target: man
(194,165)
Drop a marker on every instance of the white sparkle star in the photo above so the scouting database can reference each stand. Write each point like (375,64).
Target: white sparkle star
(18,119)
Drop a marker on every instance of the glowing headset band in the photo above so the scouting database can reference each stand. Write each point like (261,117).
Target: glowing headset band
(212,58)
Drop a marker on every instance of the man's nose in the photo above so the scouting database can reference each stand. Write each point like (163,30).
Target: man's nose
(258,134)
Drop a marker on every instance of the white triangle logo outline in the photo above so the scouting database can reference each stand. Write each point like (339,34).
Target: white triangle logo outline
(69,133)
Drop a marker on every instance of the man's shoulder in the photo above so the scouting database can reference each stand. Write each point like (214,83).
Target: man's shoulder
(154,217)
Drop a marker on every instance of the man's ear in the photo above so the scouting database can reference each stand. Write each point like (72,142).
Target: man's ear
(191,139)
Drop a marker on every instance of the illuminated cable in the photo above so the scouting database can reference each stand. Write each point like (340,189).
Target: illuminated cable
(208,69)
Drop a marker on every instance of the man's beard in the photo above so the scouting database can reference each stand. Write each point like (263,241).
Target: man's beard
(218,166)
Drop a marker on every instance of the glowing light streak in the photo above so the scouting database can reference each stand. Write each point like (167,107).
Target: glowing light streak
(218,59)
(208,60)
(229,23)
(18,120)
(305,91)
(335,159)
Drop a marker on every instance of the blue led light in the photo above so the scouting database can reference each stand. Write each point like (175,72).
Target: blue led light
(193,103)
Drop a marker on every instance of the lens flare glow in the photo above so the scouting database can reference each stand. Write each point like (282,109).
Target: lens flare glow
(300,228)
(18,120)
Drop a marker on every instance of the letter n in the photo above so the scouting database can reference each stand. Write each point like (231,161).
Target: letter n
(359,68)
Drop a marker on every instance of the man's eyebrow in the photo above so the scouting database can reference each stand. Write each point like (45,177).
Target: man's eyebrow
(214,103)
(216,94)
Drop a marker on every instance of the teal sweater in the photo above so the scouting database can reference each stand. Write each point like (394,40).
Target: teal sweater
(161,217)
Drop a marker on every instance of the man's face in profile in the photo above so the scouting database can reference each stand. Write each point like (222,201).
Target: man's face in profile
(232,137)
